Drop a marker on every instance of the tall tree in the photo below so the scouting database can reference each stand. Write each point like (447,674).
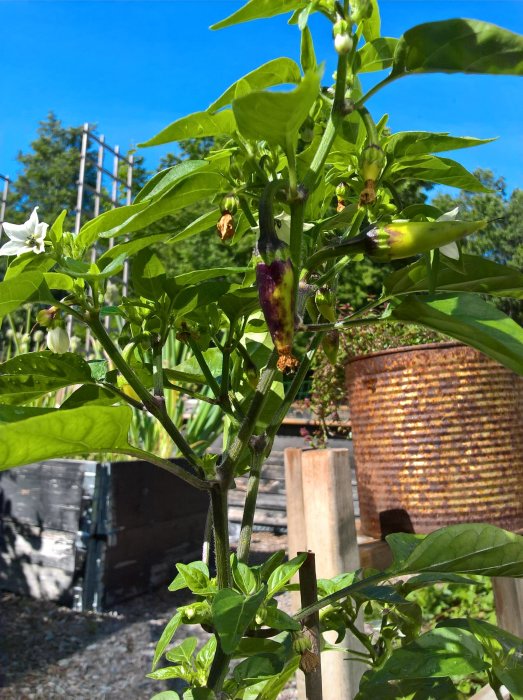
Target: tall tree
(502,239)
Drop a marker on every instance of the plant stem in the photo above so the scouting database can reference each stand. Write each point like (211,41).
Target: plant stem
(352,246)
(244,543)
(156,408)
(207,535)
(389,79)
(221,534)
(200,359)
(342,593)
(335,120)
(171,467)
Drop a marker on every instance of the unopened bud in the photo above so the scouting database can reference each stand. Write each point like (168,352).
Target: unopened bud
(326,302)
(343,44)
(45,317)
(58,340)
(229,204)
(372,162)
(331,345)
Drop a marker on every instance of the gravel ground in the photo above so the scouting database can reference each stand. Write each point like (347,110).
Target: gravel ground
(48,652)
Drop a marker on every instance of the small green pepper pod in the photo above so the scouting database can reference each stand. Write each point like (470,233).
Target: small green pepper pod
(331,345)
(325,300)
(403,239)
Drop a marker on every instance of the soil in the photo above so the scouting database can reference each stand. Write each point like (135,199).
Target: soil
(49,652)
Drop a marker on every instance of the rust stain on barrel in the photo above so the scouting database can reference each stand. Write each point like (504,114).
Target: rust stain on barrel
(438,439)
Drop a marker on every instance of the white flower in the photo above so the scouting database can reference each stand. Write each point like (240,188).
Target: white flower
(58,340)
(451,250)
(25,238)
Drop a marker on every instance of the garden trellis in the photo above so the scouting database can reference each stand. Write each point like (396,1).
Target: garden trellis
(5,191)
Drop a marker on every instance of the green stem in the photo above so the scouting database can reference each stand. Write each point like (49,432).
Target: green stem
(389,79)
(207,536)
(171,467)
(370,125)
(342,593)
(158,370)
(221,534)
(200,359)
(248,425)
(334,123)
(156,408)
(244,543)
(352,246)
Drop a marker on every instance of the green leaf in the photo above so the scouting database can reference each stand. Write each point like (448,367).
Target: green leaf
(260,9)
(486,633)
(459,46)
(417,689)
(250,646)
(371,26)
(90,395)
(202,223)
(148,275)
(307,54)
(135,245)
(194,297)
(271,689)
(167,635)
(29,262)
(163,674)
(283,574)
(34,374)
(276,116)
(166,695)
(183,653)
(478,275)
(375,55)
(13,414)
(484,550)
(27,286)
(189,370)
(435,169)
(195,577)
(274,617)
(279,71)
(206,654)
(197,276)
(256,668)
(243,577)
(164,181)
(270,564)
(415,143)
(199,694)
(422,580)
(468,318)
(232,613)
(162,199)
(58,280)
(439,653)
(64,434)
(195,126)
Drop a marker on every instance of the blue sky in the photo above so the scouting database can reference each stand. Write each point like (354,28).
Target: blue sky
(132,67)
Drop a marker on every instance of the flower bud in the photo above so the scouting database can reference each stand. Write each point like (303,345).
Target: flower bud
(45,317)
(229,204)
(301,642)
(403,239)
(372,162)
(341,194)
(361,9)
(342,38)
(58,340)
(38,336)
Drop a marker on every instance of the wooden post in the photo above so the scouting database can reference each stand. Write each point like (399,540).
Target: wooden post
(321,519)
(508,599)
(309,595)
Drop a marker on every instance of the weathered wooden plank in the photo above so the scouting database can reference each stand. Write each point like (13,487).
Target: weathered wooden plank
(265,518)
(46,494)
(508,598)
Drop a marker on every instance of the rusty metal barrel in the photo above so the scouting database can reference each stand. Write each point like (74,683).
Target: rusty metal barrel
(438,439)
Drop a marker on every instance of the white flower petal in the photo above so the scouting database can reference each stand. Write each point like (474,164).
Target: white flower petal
(13,248)
(451,215)
(16,232)
(32,222)
(451,250)
(41,231)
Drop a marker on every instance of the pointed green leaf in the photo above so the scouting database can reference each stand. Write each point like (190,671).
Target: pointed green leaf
(256,668)
(260,9)
(279,71)
(470,319)
(195,126)
(166,695)
(283,574)
(165,180)
(167,635)
(484,550)
(485,633)
(243,577)
(411,689)
(422,580)
(435,169)
(413,143)
(64,434)
(90,395)
(183,653)
(478,275)
(189,370)
(439,653)
(371,26)
(280,620)
(375,55)
(307,54)
(276,116)
(27,286)
(459,46)
(232,613)
(34,374)
(202,223)
(196,276)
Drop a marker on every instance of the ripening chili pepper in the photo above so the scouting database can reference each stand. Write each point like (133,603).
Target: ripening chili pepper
(403,239)
(331,345)
(276,282)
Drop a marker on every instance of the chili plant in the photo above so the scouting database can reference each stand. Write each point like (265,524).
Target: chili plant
(312,176)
